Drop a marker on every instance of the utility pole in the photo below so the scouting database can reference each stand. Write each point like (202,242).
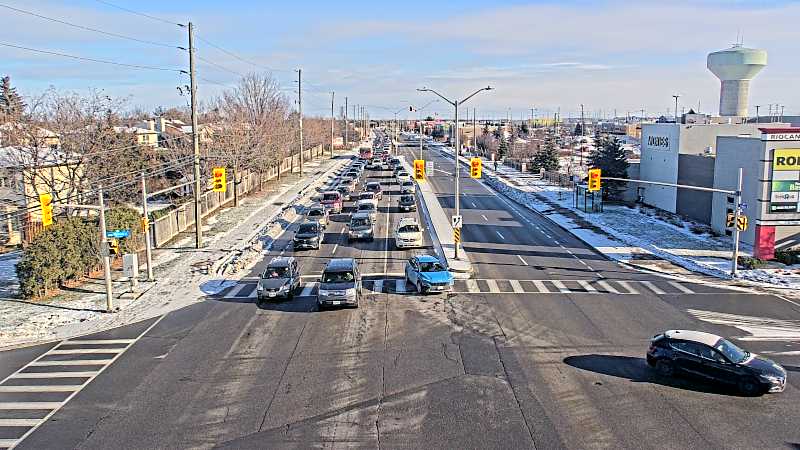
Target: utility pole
(758,118)
(346,127)
(198,220)
(333,120)
(146,224)
(300,113)
(474,130)
(676,97)
(104,250)
(736,212)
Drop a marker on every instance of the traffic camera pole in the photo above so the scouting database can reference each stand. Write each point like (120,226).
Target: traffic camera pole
(146,222)
(104,251)
(737,210)
(198,226)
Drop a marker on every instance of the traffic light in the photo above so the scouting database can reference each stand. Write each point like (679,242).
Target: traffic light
(113,246)
(219,183)
(475,167)
(419,169)
(594,179)
(46,202)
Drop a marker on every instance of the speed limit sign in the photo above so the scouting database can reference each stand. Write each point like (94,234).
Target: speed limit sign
(457,221)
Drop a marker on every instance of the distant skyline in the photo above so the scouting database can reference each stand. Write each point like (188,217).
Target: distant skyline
(608,55)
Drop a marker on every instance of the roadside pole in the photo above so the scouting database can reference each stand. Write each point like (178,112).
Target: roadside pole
(333,120)
(104,250)
(300,113)
(458,196)
(198,225)
(737,210)
(346,128)
(146,229)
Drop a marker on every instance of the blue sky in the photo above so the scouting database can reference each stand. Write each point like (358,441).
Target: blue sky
(609,55)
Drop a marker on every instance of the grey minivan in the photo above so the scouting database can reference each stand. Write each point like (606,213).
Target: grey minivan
(281,279)
(340,284)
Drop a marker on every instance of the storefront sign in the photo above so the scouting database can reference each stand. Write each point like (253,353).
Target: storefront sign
(786,159)
(780,136)
(783,207)
(783,197)
(658,141)
(785,186)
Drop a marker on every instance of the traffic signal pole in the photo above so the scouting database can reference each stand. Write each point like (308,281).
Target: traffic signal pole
(104,251)
(198,221)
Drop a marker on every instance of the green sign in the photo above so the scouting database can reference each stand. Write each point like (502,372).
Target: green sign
(785,186)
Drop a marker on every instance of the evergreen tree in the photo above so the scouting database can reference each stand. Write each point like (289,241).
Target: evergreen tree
(502,150)
(11,104)
(524,130)
(546,158)
(498,133)
(486,128)
(610,157)
(578,130)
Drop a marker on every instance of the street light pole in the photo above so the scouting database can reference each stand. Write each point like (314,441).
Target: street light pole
(455,104)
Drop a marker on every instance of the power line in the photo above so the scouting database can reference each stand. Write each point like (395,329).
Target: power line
(102,61)
(82,27)
(229,53)
(219,66)
(138,13)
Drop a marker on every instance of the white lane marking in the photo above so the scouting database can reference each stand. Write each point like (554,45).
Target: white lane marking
(18,423)
(501,236)
(89,351)
(541,287)
(492,286)
(628,287)
(763,329)
(472,286)
(581,261)
(55,375)
(523,260)
(516,287)
(400,285)
(378,286)
(379,274)
(235,291)
(97,341)
(652,287)
(16,406)
(307,289)
(680,287)
(75,362)
(586,286)
(561,287)
(557,243)
(8,443)
(55,388)
(484,217)
(548,236)
(607,287)
(334,249)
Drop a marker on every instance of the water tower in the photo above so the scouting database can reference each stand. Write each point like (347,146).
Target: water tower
(735,67)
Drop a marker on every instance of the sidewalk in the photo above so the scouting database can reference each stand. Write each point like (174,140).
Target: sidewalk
(639,236)
(179,271)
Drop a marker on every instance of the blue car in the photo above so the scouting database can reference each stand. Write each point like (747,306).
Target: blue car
(428,274)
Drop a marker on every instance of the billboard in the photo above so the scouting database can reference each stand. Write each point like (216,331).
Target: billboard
(785,193)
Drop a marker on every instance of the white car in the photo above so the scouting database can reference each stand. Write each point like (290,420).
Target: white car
(403,176)
(408,234)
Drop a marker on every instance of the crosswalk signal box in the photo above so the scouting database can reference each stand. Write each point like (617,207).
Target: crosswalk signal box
(594,179)
(219,182)
(419,169)
(475,167)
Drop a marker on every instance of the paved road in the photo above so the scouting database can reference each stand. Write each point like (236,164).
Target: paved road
(543,349)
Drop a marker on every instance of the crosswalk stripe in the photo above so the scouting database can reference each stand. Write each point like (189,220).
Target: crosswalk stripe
(680,287)
(97,341)
(19,423)
(541,287)
(46,375)
(653,287)
(400,285)
(378,286)
(492,286)
(89,351)
(516,286)
(472,286)
(8,443)
(235,291)
(307,289)
(75,362)
(607,287)
(54,388)
(560,286)
(628,287)
(586,286)
(17,406)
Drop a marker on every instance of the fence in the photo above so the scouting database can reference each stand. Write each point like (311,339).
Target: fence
(167,227)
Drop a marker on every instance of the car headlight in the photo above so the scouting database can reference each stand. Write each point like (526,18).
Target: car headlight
(350,292)
(283,288)
(260,287)
(768,377)
(324,293)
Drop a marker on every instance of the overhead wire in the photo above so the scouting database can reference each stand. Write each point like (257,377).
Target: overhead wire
(83,27)
(229,53)
(139,13)
(82,58)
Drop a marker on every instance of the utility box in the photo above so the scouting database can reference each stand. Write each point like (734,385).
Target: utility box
(130,265)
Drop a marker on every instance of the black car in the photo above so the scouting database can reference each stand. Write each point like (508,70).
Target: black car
(711,357)
(407,203)
(308,235)
(280,279)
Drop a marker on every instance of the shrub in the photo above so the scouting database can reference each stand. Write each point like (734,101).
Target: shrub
(788,257)
(749,263)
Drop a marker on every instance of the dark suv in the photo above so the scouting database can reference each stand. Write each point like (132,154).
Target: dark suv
(711,357)
(308,235)
(407,203)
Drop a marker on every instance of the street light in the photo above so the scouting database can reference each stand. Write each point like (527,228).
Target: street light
(419,121)
(458,144)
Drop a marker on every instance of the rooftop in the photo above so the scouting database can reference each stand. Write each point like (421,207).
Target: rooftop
(694,336)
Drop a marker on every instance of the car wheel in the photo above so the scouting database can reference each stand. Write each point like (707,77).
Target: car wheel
(419,287)
(665,368)
(749,386)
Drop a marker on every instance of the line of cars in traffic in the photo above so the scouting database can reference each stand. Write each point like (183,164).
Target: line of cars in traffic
(341,282)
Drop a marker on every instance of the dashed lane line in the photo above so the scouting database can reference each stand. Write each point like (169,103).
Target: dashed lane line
(523,260)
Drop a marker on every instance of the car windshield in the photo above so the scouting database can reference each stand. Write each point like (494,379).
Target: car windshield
(374,187)
(276,272)
(368,196)
(338,277)
(330,197)
(408,229)
(430,267)
(316,212)
(366,207)
(731,351)
(408,183)
(360,222)
(307,228)
(407,199)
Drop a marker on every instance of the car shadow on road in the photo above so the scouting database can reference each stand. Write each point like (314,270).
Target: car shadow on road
(636,370)
(792,368)
(296,305)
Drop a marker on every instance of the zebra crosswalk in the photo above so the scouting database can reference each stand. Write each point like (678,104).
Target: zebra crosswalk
(396,285)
